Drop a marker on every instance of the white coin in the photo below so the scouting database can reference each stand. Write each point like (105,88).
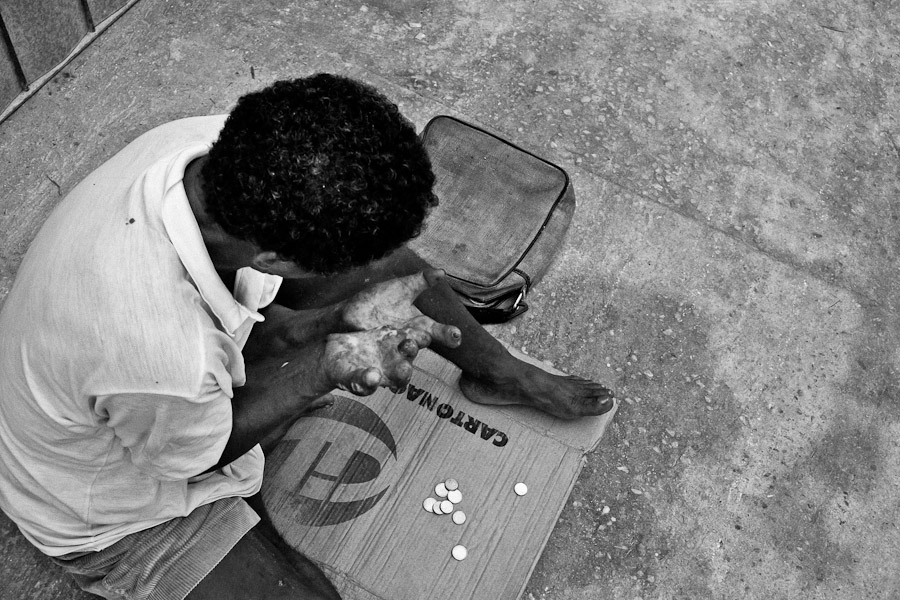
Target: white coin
(446,507)
(436,508)
(459,517)
(454,496)
(428,504)
(441,490)
(459,552)
(451,484)
(521,489)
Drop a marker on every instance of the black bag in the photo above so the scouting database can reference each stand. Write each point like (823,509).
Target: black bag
(502,216)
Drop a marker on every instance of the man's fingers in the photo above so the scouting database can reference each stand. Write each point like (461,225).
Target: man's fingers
(364,361)
(363,382)
(418,334)
(321,402)
(448,335)
(408,348)
(402,374)
(371,377)
(398,375)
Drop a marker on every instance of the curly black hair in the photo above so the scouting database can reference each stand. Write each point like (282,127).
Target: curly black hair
(322,170)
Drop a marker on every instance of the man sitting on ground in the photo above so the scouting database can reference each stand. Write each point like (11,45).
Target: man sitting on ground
(193,297)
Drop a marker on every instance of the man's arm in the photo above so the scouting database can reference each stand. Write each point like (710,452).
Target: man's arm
(275,396)
(285,376)
(293,358)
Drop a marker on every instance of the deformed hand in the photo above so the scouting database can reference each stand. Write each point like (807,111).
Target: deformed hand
(390,303)
(363,361)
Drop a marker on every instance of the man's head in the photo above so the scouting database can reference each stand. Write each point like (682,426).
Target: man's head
(324,171)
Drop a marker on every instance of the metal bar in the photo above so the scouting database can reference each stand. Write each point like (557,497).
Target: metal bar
(88,17)
(38,84)
(17,66)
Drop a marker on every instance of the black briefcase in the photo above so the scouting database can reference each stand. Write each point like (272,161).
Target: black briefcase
(502,217)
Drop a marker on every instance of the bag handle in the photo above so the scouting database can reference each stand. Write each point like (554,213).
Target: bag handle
(495,316)
(505,308)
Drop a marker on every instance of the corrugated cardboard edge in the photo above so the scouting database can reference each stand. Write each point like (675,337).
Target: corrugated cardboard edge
(597,430)
(562,507)
(351,588)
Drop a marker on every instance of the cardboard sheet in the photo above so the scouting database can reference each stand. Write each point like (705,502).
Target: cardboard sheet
(345,488)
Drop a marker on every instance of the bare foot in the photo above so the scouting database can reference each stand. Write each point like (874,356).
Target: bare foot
(563,396)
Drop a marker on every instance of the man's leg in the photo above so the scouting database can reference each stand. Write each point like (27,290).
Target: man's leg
(490,374)
(257,569)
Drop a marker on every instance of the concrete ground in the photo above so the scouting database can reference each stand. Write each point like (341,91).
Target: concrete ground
(730,270)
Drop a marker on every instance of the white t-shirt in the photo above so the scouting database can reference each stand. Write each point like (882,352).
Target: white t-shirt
(119,350)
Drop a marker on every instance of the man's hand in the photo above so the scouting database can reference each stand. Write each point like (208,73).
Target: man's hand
(390,303)
(362,362)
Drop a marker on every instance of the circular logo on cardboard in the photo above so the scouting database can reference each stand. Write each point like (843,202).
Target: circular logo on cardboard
(331,463)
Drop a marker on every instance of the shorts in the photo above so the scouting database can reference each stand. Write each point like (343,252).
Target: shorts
(164,562)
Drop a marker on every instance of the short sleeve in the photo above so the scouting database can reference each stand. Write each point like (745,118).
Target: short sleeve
(169,438)
(254,290)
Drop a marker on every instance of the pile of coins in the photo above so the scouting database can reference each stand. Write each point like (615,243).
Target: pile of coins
(448,496)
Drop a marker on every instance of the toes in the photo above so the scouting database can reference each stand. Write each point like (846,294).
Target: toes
(599,405)
(593,388)
(588,398)
(602,392)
